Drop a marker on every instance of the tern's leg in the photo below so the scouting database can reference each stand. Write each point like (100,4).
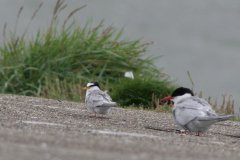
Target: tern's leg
(198,134)
(102,116)
(95,115)
(185,133)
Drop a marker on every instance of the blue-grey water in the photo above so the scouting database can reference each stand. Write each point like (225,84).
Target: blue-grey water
(202,37)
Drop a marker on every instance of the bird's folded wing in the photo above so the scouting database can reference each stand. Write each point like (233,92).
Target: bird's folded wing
(108,104)
(98,98)
(184,116)
(214,118)
(103,95)
(195,103)
(106,96)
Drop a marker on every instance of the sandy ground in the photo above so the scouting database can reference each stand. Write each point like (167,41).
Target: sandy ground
(37,129)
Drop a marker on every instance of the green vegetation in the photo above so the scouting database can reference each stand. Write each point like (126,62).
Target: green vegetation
(140,90)
(59,61)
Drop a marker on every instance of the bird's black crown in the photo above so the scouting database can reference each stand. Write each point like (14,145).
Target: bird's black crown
(95,83)
(181,91)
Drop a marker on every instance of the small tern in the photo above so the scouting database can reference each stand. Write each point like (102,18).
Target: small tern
(97,101)
(193,113)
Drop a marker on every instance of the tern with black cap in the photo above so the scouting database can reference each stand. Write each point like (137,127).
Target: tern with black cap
(97,101)
(193,113)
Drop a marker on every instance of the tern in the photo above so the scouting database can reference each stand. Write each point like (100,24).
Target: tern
(193,113)
(97,101)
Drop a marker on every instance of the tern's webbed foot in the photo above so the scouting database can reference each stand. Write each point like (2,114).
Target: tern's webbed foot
(198,134)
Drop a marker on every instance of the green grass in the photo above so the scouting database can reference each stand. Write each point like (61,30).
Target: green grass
(58,61)
(141,90)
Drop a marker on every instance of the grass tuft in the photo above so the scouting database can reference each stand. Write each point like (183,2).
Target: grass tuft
(57,63)
(141,91)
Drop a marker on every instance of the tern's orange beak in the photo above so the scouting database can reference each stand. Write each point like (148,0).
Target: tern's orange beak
(85,88)
(166,98)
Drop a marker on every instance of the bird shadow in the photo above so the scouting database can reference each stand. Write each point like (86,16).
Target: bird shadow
(227,135)
(233,136)
(163,129)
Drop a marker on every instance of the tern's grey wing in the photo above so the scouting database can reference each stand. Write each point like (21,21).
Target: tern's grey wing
(106,96)
(195,103)
(190,108)
(98,98)
(183,115)
(196,115)
(215,118)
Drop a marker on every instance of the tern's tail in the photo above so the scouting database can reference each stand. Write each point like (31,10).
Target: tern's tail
(109,104)
(216,118)
(224,117)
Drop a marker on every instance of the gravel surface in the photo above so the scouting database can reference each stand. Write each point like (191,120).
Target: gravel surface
(37,128)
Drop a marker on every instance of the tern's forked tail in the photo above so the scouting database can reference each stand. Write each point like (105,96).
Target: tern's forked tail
(216,118)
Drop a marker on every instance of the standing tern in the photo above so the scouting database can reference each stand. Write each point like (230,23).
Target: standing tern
(193,113)
(97,101)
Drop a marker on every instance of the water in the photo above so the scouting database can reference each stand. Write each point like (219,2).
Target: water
(201,37)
